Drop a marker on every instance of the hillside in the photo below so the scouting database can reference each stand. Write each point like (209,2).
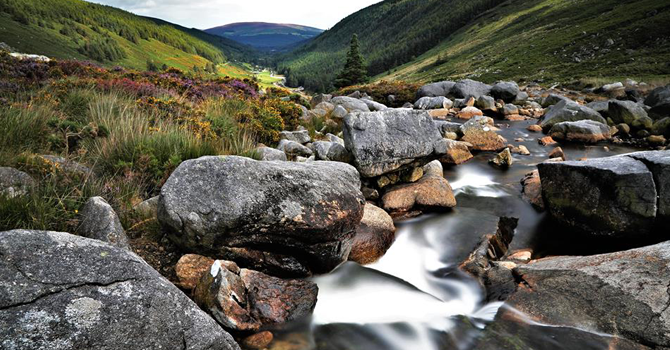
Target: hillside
(489,40)
(75,29)
(391,33)
(266,36)
(553,41)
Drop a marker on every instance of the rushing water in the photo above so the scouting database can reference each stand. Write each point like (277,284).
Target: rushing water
(415,298)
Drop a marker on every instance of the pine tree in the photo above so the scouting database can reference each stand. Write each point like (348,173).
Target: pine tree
(354,71)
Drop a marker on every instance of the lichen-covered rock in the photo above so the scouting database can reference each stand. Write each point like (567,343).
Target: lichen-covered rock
(62,291)
(387,141)
(374,235)
(99,221)
(614,196)
(481,136)
(458,152)
(433,103)
(246,300)
(283,218)
(586,131)
(14,183)
(270,154)
(568,111)
(623,293)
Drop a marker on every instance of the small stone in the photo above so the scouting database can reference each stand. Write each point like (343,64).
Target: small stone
(190,268)
(258,341)
(412,175)
(547,141)
(656,140)
(374,236)
(534,128)
(503,159)
(469,112)
(557,153)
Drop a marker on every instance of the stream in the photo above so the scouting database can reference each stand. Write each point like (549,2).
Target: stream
(415,298)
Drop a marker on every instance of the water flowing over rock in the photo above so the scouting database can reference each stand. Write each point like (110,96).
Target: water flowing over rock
(586,131)
(387,141)
(374,235)
(616,196)
(283,218)
(99,221)
(568,111)
(623,293)
(246,300)
(68,292)
(14,183)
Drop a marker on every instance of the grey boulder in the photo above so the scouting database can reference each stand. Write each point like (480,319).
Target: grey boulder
(628,112)
(568,111)
(659,101)
(469,88)
(387,141)
(270,154)
(62,291)
(442,88)
(374,106)
(506,91)
(433,103)
(294,149)
(586,131)
(282,218)
(99,221)
(300,136)
(14,183)
(350,104)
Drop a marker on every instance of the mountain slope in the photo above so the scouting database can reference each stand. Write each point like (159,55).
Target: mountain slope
(553,41)
(267,36)
(75,29)
(391,32)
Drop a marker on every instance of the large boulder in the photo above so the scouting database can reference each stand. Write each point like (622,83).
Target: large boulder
(628,112)
(246,300)
(62,291)
(387,141)
(14,183)
(433,103)
(623,293)
(283,218)
(469,88)
(586,131)
(99,221)
(553,99)
(442,88)
(374,235)
(350,104)
(506,91)
(659,101)
(568,111)
(481,135)
(616,196)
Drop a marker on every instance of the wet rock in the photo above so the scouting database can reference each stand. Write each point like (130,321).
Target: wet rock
(532,189)
(534,128)
(350,104)
(623,293)
(586,131)
(374,236)
(457,153)
(190,268)
(387,141)
(14,183)
(521,149)
(442,88)
(614,196)
(99,221)
(557,153)
(258,341)
(547,141)
(286,218)
(439,102)
(469,113)
(67,292)
(656,140)
(630,113)
(481,136)
(565,111)
(469,88)
(553,99)
(506,91)
(270,154)
(431,193)
(300,136)
(294,149)
(658,162)
(503,159)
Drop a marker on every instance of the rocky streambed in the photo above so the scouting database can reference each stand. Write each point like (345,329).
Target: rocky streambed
(480,217)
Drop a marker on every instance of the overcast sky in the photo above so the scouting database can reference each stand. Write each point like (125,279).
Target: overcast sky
(205,14)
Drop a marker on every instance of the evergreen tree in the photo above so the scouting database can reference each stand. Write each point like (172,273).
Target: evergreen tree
(354,71)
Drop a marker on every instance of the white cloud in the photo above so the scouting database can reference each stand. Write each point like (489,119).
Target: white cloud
(211,13)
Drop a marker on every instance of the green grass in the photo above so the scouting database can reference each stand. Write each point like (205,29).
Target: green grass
(553,41)
(266,79)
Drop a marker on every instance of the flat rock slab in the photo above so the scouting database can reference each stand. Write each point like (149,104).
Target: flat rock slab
(62,291)
(387,141)
(283,218)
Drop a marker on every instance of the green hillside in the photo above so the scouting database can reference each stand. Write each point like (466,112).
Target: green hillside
(75,29)
(553,41)
(391,33)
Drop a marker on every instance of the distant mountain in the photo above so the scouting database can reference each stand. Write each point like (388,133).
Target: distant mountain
(266,36)
(75,29)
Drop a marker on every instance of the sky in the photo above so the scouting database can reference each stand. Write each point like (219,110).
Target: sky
(203,14)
